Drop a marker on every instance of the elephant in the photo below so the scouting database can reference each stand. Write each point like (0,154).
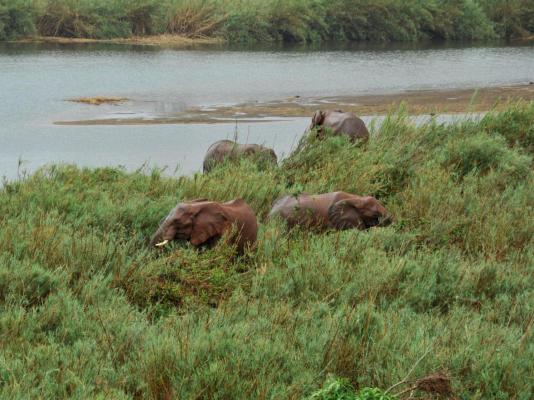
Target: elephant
(202,223)
(339,122)
(337,210)
(223,150)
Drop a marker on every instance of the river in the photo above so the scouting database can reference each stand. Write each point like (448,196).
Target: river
(37,80)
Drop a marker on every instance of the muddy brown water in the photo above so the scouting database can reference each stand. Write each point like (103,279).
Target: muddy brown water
(36,81)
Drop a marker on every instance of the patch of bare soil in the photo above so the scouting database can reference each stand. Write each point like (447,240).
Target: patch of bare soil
(417,102)
(96,101)
(175,41)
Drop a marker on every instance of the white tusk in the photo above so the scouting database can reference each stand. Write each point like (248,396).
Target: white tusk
(161,244)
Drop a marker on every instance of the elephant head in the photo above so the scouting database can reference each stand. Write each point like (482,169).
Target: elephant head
(268,155)
(318,122)
(264,156)
(318,118)
(358,212)
(315,128)
(196,221)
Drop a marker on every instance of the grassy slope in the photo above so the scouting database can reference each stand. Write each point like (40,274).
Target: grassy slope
(87,310)
(270,20)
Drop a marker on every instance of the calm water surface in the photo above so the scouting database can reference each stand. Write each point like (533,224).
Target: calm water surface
(35,81)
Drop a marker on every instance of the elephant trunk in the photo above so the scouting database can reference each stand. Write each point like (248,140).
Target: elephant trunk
(273,157)
(157,237)
(388,220)
(206,166)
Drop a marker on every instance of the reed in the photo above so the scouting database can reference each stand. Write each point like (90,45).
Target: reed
(271,20)
(194,18)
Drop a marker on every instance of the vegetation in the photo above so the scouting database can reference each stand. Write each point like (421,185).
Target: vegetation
(341,389)
(88,310)
(271,20)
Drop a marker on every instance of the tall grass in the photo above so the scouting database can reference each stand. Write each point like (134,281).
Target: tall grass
(194,18)
(271,20)
(99,18)
(88,310)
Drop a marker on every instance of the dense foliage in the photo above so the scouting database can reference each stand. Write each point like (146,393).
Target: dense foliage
(341,389)
(87,309)
(271,20)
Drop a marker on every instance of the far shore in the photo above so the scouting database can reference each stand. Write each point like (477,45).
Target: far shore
(169,40)
(419,102)
(166,40)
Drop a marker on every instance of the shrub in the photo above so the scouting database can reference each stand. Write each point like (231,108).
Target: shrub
(145,17)
(471,23)
(296,21)
(17,18)
(481,153)
(245,26)
(512,18)
(515,124)
(341,389)
(335,389)
(27,285)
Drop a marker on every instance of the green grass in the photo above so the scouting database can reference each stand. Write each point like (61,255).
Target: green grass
(87,310)
(271,20)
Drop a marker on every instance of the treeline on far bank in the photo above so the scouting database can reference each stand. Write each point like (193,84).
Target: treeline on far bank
(270,20)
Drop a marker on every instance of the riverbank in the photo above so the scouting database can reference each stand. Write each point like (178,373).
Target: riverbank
(255,21)
(178,42)
(416,102)
(88,310)
(165,40)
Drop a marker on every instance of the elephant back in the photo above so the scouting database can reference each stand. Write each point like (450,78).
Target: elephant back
(346,123)
(246,223)
(222,150)
(217,153)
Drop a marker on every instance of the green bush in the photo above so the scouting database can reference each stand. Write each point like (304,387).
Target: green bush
(515,124)
(297,21)
(471,23)
(17,19)
(28,286)
(512,18)
(482,153)
(341,389)
(335,389)
(245,26)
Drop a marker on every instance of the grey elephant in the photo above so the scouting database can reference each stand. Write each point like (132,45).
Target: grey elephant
(338,122)
(337,210)
(224,150)
(202,223)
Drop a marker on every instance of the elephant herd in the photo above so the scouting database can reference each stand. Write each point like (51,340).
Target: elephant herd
(203,222)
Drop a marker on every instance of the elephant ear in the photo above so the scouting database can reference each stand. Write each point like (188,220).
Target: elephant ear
(318,118)
(344,214)
(249,151)
(273,156)
(210,222)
